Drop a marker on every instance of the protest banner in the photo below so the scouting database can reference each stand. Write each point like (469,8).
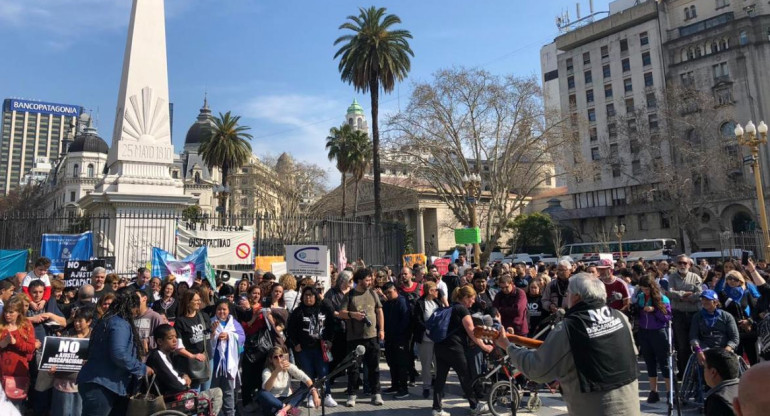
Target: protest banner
(184,270)
(12,261)
(227,245)
(442,265)
(264,262)
(61,248)
(409,260)
(233,276)
(278,268)
(67,354)
(308,260)
(78,273)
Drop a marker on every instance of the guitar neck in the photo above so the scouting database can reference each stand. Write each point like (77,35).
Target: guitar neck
(524,341)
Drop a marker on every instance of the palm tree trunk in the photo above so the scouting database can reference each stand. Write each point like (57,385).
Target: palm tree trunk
(374,88)
(355,203)
(344,194)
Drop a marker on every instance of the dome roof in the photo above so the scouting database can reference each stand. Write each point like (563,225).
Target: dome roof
(355,108)
(196,132)
(88,141)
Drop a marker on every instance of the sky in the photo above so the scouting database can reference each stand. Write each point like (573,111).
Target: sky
(269,61)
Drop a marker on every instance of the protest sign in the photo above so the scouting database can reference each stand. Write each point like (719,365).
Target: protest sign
(67,354)
(278,268)
(78,273)
(264,262)
(61,248)
(307,260)
(184,270)
(442,265)
(12,261)
(226,244)
(233,276)
(409,260)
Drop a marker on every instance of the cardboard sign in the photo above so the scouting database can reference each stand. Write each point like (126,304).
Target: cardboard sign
(468,235)
(78,273)
(308,260)
(442,265)
(67,354)
(409,260)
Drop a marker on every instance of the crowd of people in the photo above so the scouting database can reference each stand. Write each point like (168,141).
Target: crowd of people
(246,342)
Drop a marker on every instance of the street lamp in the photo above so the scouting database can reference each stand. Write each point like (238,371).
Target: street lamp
(472,185)
(750,139)
(619,231)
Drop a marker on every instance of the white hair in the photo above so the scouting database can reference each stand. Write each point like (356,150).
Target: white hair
(587,287)
(344,276)
(98,270)
(565,263)
(685,257)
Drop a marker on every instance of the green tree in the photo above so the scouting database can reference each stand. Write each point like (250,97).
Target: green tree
(360,160)
(372,57)
(338,146)
(532,232)
(225,145)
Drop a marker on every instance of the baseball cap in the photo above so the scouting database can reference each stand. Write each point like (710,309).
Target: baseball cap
(604,263)
(709,294)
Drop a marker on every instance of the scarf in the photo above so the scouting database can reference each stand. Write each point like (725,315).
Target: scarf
(226,352)
(709,318)
(736,294)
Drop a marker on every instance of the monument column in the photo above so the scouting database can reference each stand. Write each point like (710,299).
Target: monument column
(138,181)
(420,237)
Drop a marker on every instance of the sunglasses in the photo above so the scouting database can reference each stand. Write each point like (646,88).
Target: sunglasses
(278,357)
(733,279)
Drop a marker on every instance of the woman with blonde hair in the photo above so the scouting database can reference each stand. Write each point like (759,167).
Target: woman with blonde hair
(450,352)
(740,299)
(17,343)
(276,385)
(289,284)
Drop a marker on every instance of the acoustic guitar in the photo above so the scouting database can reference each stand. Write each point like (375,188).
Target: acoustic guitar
(488,333)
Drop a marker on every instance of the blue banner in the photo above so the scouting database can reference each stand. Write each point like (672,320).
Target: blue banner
(63,247)
(184,270)
(12,261)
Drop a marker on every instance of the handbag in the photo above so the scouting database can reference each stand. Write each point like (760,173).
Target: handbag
(142,404)
(16,387)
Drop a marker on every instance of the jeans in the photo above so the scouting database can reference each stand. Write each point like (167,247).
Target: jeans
(311,361)
(271,404)
(228,394)
(453,357)
(398,356)
(97,400)
(372,360)
(66,404)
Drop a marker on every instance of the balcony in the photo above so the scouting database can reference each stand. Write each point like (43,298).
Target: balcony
(702,25)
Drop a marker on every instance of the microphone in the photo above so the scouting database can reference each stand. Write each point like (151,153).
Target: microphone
(360,351)
(560,313)
(488,321)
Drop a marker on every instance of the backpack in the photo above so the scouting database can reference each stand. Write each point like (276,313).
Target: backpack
(437,326)
(411,297)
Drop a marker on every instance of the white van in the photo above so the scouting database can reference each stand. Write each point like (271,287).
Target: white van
(714,256)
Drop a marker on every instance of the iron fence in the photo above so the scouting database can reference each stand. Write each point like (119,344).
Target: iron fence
(142,231)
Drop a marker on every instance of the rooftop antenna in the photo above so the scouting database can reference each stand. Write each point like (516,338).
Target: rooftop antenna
(591,6)
(577,10)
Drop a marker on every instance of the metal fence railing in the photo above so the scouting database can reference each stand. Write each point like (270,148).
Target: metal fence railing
(142,231)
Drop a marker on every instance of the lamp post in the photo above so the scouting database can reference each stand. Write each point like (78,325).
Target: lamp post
(752,140)
(619,231)
(472,185)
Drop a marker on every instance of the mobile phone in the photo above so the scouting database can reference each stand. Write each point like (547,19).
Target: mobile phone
(745,258)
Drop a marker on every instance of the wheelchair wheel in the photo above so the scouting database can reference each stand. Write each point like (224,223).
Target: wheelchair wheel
(503,398)
(534,403)
(169,413)
(482,385)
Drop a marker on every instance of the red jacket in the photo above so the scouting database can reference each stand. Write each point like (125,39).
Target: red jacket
(513,310)
(14,359)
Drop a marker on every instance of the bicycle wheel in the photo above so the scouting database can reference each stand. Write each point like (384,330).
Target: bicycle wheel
(482,384)
(503,398)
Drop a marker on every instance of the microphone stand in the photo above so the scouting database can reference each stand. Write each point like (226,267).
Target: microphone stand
(673,393)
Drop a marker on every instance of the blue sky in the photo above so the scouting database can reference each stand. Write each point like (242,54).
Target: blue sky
(268,61)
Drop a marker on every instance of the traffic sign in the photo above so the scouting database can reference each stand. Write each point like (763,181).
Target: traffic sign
(243,250)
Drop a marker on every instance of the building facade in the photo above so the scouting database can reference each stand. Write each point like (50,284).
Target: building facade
(32,130)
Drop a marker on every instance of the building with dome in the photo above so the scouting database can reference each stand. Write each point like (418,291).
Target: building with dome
(356,118)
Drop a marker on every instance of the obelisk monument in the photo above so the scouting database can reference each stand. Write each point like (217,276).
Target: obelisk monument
(138,182)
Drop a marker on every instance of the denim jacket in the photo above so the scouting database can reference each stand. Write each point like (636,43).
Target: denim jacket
(112,359)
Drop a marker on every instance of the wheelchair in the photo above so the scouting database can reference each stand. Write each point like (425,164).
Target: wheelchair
(693,387)
(186,403)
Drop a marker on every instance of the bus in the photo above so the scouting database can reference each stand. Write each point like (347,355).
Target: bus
(632,249)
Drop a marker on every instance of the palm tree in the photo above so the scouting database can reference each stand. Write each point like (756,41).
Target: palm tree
(338,145)
(360,159)
(371,57)
(225,145)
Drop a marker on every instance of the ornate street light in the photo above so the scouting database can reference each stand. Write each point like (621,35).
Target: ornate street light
(752,140)
(472,185)
(619,231)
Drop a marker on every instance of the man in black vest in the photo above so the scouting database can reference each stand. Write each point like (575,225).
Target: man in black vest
(591,352)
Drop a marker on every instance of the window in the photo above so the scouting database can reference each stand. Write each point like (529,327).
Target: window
(628,86)
(592,134)
(76,170)
(90,170)
(606,73)
(689,13)
(743,38)
(652,119)
(588,78)
(631,125)
(611,110)
(587,58)
(612,129)
(605,52)
(197,177)
(646,59)
(652,101)
(721,71)
(642,221)
(724,44)
(728,130)
(570,82)
(643,39)
(688,79)
(624,45)
(724,95)
(630,108)
(626,65)
(665,222)
(608,91)
(614,151)
(573,119)
(636,168)
(572,101)
(616,170)
(175,174)
(595,153)
(570,66)
(589,96)
(592,115)
(648,79)
(633,145)
(72,196)
(722,3)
